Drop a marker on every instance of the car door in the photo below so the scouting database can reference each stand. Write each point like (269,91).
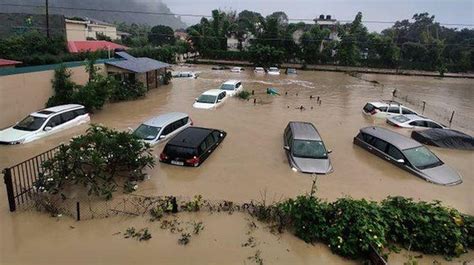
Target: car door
(393,110)
(209,146)
(418,124)
(68,119)
(165,133)
(53,125)
(220,98)
(431,124)
(378,147)
(394,155)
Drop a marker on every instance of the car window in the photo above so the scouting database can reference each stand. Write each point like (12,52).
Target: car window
(380,144)
(419,123)
(80,112)
(203,146)
(67,116)
(216,135)
(309,149)
(30,123)
(238,85)
(394,152)
(146,132)
(54,121)
(367,138)
(168,129)
(383,109)
(407,111)
(432,124)
(422,158)
(394,109)
(210,140)
(222,95)
(289,138)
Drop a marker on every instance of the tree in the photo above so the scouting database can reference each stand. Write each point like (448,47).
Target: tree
(265,56)
(160,35)
(63,87)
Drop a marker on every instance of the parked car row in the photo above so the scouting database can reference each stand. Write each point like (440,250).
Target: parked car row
(213,98)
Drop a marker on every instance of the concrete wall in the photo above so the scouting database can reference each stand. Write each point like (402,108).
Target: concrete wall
(75,31)
(22,94)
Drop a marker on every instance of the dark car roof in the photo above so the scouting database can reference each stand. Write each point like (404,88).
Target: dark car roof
(190,137)
(444,138)
(304,131)
(400,141)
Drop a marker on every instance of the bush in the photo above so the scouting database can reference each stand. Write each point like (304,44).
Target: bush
(127,90)
(244,94)
(63,87)
(94,161)
(427,227)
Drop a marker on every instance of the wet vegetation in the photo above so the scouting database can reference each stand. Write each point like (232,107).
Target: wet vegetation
(95,161)
(244,94)
(140,235)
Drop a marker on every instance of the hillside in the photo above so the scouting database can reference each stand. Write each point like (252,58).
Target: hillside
(95,9)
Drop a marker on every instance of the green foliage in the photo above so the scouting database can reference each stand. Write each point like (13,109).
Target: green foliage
(63,87)
(140,235)
(95,160)
(244,94)
(127,91)
(165,53)
(426,227)
(265,56)
(225,55)
(160,35)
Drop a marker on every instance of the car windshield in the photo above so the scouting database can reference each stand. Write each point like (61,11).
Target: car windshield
(401,118)
(309,149)
(207,99)
(180,151)
(229,87)
(272,69)
(30,123)
(146,132)
(422,158)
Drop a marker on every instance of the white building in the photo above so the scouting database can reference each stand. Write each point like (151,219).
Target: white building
(233,42)
(327,22)
(81,30)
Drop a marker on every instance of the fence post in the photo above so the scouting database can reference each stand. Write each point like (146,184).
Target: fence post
(78,211)
(451,119)
(424,104)
(7,177)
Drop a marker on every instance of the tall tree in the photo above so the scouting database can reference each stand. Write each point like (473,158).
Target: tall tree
(161,35)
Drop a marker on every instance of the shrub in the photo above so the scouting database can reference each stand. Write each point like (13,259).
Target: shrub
(127,90)
(427,227)
(94,160)
(95,93)
(244,94)
(63,87)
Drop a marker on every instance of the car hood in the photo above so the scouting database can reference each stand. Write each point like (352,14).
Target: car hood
(199,105)
(12,135)
(443,175)
(310,165)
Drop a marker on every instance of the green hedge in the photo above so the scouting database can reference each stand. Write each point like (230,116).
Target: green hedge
(226,55)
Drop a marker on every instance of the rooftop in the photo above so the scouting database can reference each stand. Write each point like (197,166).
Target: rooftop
(162,120)
(396,139)
(92,46)
(304,131)
(5,62)
(190,137)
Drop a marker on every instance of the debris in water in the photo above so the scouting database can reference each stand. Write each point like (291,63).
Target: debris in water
(272,91)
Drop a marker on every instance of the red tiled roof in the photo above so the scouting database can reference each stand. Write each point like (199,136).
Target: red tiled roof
(5,62)
(92,46)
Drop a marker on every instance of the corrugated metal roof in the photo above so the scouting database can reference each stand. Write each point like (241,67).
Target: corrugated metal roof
(139,65)
(125,55)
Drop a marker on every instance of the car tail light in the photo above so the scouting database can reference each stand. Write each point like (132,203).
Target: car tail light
(194,161)
(374,111)
(163,156)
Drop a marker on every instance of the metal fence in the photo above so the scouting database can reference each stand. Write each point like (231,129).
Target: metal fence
(20,179)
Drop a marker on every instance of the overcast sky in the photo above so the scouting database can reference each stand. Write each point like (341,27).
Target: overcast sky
(446,11)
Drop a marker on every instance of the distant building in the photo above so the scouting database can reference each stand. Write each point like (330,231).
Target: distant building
(236,44)
(181,35)
(296,36)
(4,63)
(327,22)
(232,43)
(93,45)
(81,29)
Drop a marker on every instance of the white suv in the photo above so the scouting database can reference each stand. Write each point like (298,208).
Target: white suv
(163,127)
(210,99)
(232,87)
(386,108)
(45,122)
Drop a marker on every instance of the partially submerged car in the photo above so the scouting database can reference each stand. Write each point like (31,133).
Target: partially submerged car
(220,67)
(211,99)
(290,71)
(191,75)
(163,127)
(232,87)
(259,70)
(237,69)
(385,108)
(273,71)
(445,138)
(407,154)
(305,149)
(413,121)
(45,122)
(192,146)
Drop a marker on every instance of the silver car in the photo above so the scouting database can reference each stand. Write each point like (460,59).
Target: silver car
(163,127)
(407,154)
(305,149)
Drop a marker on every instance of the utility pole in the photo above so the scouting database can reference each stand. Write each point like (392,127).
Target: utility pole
(47,19)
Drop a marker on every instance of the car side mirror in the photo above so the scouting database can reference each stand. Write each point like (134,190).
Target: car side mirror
(162,137)
(48,128)
(401,161)
(286,147)
(329,151)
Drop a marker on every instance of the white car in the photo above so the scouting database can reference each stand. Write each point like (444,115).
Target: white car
(232,87)
(386,108)
(163,127)
(45,122)
(259,70)
(191,75)
(273,71)
(210,99)
(413,121)
(237,69)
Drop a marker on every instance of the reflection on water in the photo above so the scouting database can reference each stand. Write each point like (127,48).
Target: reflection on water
(251,161)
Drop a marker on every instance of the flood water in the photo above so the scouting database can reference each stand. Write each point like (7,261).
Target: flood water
(250,164)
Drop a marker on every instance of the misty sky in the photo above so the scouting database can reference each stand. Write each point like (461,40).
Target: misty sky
(446,11)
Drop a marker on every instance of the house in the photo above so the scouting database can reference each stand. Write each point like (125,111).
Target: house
(327,22)
(4,63)
(232,43)
(93,45)
(236,44)
(181,35)
(148,71)
(81,29)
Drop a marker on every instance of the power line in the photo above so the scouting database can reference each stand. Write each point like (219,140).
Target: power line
(207,16)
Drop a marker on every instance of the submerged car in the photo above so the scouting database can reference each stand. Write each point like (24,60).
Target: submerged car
(407,154)
(259,70)
(220,67)
(45,122)
(191,75)
(237,69)
(305,149)
(192,146)
(413,121)
(163,127)
(232,87)
(290,71)
(386,108)
(211,99)
(273,71)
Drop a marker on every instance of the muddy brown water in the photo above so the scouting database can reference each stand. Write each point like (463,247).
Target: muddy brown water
(250,164)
